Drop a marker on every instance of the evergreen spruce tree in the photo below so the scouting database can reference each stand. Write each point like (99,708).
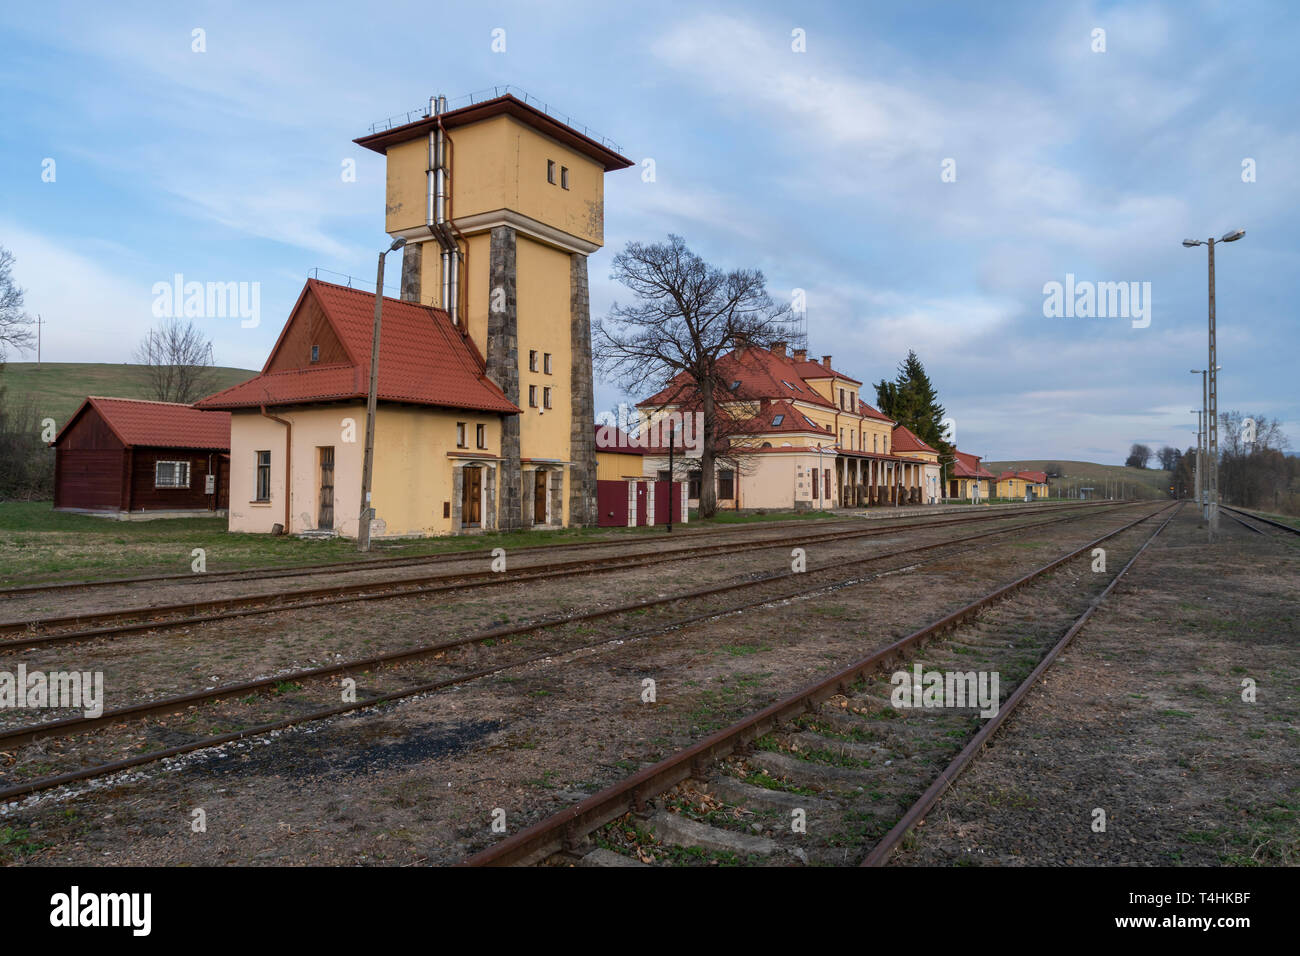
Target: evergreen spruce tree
(911,400)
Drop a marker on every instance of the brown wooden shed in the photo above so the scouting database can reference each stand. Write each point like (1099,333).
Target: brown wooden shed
(132,456)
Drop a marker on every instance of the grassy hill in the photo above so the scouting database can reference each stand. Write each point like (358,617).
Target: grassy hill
(1150,482)
(60,387)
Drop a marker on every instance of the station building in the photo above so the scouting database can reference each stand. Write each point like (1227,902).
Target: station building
(485,381)
(969,479)
(796,434)
(1019,484)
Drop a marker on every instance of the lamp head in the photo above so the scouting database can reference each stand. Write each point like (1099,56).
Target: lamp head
(1233,236)
(1189,243)
(397,244)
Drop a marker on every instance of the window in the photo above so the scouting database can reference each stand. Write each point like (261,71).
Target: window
(735,385)
(726,484)
(171,474)
(853,401)
(842,405)
(663,474)
(564,177)
(777,419)
(695,480)
(263,476)
(546,363)
(315,354)
(873,442)
(532,360)
(480,435)
(550,171)
(546,397)
(460,435)
(532,396)
(793,388)
(841,436)
(766,444)
(815,493)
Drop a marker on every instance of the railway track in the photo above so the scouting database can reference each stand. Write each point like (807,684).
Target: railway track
(820,754)
(64,629)
(392,562)
(1244,518)
(763,591)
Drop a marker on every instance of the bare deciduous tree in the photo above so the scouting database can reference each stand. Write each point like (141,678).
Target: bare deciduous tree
(686,316)
(1138,456)
(179,362)
(15,324)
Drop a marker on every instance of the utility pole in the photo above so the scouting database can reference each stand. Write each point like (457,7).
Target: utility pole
(1211,424)
(367,466)
(1200,420)
(39,323)
(672,440)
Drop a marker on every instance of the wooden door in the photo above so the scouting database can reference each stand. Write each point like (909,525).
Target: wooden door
(471,499)
(325,520)
(539,497)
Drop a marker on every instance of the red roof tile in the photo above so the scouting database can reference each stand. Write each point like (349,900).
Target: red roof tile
(968,466)
(145,424)
(423,359)
(905,440)
(756,374)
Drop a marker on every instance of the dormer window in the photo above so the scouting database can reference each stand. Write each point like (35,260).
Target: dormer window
(778,419)
(793,388)
(735,385)
(315,354)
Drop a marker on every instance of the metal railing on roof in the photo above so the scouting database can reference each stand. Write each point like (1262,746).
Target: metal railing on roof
(491,93)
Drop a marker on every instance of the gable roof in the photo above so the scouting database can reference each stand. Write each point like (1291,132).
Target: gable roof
(905,440)
(1033,477)
(423,359)
(759,373)
(140,423)
(968,466)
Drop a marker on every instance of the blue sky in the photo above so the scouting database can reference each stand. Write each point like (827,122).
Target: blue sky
(822,168)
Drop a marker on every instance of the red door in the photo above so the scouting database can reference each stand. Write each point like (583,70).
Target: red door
(662,497)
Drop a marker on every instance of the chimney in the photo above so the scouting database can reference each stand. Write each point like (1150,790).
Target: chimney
(763,403)
(826,360)
(801,355)
(741,342)
(779,348)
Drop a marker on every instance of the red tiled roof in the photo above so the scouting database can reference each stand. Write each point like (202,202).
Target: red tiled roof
(144,424)
(968,466)
(905,440)
(1033,477)
(765,420)
(810,369)
(758,373)
(423,360)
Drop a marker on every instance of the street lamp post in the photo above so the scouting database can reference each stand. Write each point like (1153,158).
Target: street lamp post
(1211,424)
(367,466)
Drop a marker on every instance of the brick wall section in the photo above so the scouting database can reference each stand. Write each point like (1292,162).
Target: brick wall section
(503,368)
(412,253)
(582,433)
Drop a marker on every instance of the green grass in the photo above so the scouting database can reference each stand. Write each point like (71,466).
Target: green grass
(58,388)
(39,544)
(1150,482)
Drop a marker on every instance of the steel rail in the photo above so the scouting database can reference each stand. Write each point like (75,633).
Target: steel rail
(171,705)
(405,560)
(21,633)
(563,830)
(1269,521)
(880,853)
(76,725)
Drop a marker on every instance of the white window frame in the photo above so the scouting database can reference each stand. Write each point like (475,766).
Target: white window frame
(183,469)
